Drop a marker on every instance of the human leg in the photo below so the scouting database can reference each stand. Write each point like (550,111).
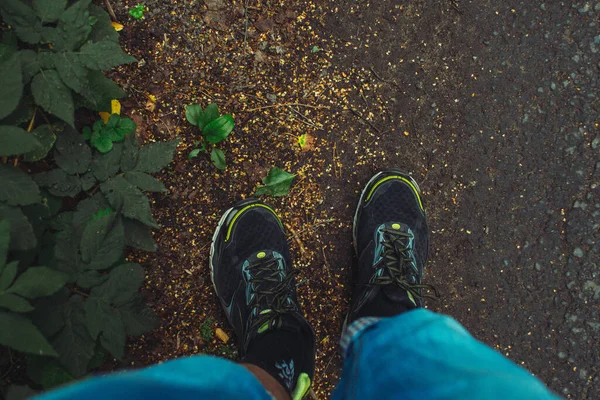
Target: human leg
(253,277)
(393,347)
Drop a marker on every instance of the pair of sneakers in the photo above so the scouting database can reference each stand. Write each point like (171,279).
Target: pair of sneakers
(252,274)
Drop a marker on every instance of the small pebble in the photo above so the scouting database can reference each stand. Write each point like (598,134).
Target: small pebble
(578,252)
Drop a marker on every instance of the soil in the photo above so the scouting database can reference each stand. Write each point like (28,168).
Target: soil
(491,107)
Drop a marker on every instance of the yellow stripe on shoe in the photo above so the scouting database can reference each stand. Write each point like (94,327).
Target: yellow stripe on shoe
(403,179)
(239,214)
(302,387)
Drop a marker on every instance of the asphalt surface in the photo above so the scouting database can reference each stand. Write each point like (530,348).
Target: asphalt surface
(494,108)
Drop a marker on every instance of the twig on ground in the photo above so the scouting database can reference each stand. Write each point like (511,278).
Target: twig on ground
(110,10)
(287,105)
(245,24)
(304,119)
(359,115)
(297,239)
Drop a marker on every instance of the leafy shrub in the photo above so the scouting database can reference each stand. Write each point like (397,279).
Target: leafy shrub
(53,57)
(68,296)
(76,256)
(214,129)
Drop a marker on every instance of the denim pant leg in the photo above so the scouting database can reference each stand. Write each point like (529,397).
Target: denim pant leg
(423,355)
(198,377)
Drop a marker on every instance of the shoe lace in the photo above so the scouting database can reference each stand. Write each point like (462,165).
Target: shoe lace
(397,260)
(272,290)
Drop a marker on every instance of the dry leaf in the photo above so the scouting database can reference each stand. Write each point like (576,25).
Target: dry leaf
(118,27)
(104,115)
(306,142)
(222,335)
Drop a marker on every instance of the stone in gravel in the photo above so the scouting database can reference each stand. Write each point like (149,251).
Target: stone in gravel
(595,142)
(538,266)
(561,354)
(578,252)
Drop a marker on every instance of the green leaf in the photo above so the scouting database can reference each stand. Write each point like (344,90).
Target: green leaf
(138,318)
(103,242)
(66,253)
(17,187)
(103,55)
(73,28)
(218,158)
(102,29)
(89,279)
(4,243)
(138,11)
(103,306)
(210,114)
(8,275)
(194,153)
(101,142)
(99,358)
(11,82)
(54,97)
(15,141)
(48,315)
(88,180)
(73,343)
(130,154)
(22,19)
(15,303)
(138,235)
(21,231)
(124,127)
(47,372)
(155,156)
(219,129)
(45,135)
(49,10)
(277,183)
(89,209)
(16,392)
(122,195)
(105,321)
(72,72)
(144,182)
(193,113)
(59,183)
(107,165)
(122,285)
(23,335)
(71,152)
(38,282)
(101,90)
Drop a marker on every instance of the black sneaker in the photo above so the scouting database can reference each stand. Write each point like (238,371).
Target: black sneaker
(391,240)
(252,274)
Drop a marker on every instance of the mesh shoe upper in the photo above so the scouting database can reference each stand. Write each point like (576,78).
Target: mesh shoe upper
(391,238)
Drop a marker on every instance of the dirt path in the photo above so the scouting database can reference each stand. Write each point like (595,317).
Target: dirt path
(493,109)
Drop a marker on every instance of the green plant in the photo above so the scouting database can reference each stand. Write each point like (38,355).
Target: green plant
(276,183)
(76,297)
(138,11)
(68,297)
(206,329)
(214,129)
(102,136)
(52,58)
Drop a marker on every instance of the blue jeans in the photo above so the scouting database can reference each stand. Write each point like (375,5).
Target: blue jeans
(415,355)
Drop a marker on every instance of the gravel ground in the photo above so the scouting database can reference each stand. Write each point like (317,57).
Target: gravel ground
(504,101)
(494,109)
